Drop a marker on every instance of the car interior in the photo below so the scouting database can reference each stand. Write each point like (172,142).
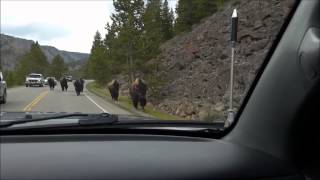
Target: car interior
(274,135)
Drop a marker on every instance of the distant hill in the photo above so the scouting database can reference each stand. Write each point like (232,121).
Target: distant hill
(12,48)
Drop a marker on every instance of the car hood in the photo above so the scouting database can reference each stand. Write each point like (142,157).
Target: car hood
(33,78)
(14,116)
(123,118)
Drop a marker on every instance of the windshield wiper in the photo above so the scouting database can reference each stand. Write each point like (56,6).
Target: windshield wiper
(90,119)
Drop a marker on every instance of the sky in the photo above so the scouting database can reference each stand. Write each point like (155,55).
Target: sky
(65,24)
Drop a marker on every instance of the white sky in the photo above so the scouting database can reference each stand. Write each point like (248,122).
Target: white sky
(67,25)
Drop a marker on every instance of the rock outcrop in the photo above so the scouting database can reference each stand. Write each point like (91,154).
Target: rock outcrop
(197,64)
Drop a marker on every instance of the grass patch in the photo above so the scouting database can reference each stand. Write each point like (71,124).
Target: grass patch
(212,116)
(12,86)
(125,103)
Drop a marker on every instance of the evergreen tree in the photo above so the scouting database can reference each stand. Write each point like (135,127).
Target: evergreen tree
(97,65)
(113,49)
(185,15)
(190,12)
(205,8)
(167,18)
(153,34)
(128,27)
(33,61)
(58,67)
(39,60)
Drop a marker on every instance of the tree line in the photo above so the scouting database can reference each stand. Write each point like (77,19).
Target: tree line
(35,61)
(136,32)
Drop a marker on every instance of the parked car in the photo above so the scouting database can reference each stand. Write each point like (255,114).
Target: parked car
(46,81)
(34,79)
(69,78)
(3,89)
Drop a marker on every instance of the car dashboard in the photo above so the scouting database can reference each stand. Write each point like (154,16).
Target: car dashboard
(123,156)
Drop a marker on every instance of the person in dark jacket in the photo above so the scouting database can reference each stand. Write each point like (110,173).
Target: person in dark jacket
(138,92)
(113,87)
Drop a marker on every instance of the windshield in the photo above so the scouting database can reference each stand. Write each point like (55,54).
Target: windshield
(34,76)
(164,59)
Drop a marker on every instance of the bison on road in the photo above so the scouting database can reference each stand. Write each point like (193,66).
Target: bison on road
(51,83)
(64,84)
(78,86)
(138,91)
(113,87)
(82,84)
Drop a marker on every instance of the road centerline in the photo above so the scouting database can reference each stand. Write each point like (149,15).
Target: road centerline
(35,101)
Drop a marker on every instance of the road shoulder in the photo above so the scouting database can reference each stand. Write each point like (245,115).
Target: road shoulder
(125,103)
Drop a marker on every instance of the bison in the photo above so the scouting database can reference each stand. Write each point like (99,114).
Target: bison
(64,84)
(138,91)
(82,84)
(78,86)
(51,83)
(113,87)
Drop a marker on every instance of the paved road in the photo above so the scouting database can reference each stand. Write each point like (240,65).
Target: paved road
(44,100)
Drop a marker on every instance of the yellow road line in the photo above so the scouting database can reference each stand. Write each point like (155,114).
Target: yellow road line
(35,101)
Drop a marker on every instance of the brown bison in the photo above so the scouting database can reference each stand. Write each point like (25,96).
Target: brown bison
(51,83)
(64,84)
(78,86)
(113,87)
(138,91)
(82,84)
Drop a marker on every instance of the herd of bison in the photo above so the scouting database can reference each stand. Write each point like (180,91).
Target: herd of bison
(138,92)
(138,89)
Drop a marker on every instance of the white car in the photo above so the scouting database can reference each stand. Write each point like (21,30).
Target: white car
(46,80)
(69,78)
(3,89)
(34,79)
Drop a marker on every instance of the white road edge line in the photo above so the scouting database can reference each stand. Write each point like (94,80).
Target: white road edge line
(105,111)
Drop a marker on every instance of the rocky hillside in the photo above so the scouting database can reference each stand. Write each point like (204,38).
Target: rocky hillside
(197,64)
(13,48)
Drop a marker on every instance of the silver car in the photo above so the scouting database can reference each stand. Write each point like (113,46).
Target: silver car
(3,89)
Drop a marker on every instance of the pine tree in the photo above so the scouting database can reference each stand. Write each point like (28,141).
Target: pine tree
(153,34)
(185,15)
(38,60)
(205,8)
(97,65)
(33,61)
(190,12)
(58,68)
(113,49)
(128,26)
(167,18)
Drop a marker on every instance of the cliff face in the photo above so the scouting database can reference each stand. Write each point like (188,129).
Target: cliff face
(197,64)
(13,48)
